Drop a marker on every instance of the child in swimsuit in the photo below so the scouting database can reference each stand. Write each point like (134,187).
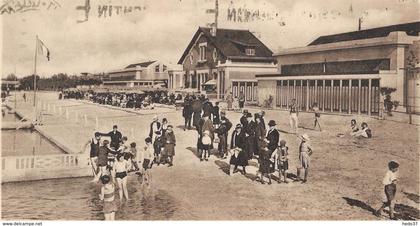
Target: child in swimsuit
(107,195)
(120,169)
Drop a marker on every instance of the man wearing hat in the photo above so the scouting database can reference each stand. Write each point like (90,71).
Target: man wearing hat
(243,119)
(273,136)
(222,133)
(251,136)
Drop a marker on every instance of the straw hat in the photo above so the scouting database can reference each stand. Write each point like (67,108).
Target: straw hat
(304,137)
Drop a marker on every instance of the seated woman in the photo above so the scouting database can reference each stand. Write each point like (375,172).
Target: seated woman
(365,132)
(354,128)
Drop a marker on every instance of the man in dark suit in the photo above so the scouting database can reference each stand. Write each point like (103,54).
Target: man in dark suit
(243,119)
(273,136)
(251,147)
(115,136)
(187,113)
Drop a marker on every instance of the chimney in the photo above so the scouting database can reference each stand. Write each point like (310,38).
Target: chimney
(216,14)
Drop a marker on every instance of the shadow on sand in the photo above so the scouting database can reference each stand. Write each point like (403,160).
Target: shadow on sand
(413,197)
(402,212)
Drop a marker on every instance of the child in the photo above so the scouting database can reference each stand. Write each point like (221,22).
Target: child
(390,188)
(264,165)
(120,169)
(280,156)
(364,132)
(134,158)
(317,116)
(107,195)
(237,158)
(157,146)
(206,141)
(147,156)
(354,127)
(170,143)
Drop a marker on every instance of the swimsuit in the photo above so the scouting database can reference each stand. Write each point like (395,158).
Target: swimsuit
(121,174)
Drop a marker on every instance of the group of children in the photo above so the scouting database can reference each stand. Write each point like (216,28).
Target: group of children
(112,164)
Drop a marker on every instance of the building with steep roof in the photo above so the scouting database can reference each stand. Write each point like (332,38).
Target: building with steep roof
(219,61)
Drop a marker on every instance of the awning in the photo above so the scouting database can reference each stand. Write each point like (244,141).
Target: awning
(212,82)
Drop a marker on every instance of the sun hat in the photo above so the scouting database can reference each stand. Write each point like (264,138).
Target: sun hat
(304,137)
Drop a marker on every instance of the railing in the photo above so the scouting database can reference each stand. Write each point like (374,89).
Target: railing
(59,161)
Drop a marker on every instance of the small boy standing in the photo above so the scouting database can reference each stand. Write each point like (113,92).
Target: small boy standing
(133,152)
(317,115)
(281,158)
(170,143)
(390,189)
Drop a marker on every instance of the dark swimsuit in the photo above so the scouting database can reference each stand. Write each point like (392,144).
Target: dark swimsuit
(120,175)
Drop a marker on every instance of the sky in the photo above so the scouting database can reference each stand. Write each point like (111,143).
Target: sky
(162,29)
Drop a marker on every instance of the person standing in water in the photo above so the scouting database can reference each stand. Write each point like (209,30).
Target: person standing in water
(107,195)
(120,168)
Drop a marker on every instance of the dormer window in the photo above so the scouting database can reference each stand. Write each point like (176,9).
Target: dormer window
(202,51)
(157,68)
(250,51)
(164,68)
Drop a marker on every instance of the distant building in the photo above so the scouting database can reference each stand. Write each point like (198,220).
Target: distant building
(11,85)
(218,61)
(344,72)
(144,74)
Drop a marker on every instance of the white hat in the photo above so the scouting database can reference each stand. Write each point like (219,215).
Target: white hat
(304,137)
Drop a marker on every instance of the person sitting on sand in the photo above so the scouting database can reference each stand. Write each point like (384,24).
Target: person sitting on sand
(107,195)
(353,126)
(365,132)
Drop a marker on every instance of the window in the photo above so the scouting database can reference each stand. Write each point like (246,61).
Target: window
(164,68)
(215,55)
(202,51)
(250,52)
(157,68)
(191,58)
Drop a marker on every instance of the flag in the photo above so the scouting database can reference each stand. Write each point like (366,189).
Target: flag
(42,49)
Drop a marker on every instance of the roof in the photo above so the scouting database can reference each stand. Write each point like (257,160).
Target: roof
(232,43)
(142,64)
(411,29)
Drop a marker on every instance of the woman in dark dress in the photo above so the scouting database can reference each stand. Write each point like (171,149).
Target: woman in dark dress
(237,158)
(259,132)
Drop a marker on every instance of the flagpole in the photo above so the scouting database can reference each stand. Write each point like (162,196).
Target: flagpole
(36,53)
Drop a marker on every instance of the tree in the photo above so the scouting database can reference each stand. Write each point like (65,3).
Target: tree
(11,77)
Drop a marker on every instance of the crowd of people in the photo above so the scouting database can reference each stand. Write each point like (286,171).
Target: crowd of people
(128,99)
(113,160)
(251,138)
